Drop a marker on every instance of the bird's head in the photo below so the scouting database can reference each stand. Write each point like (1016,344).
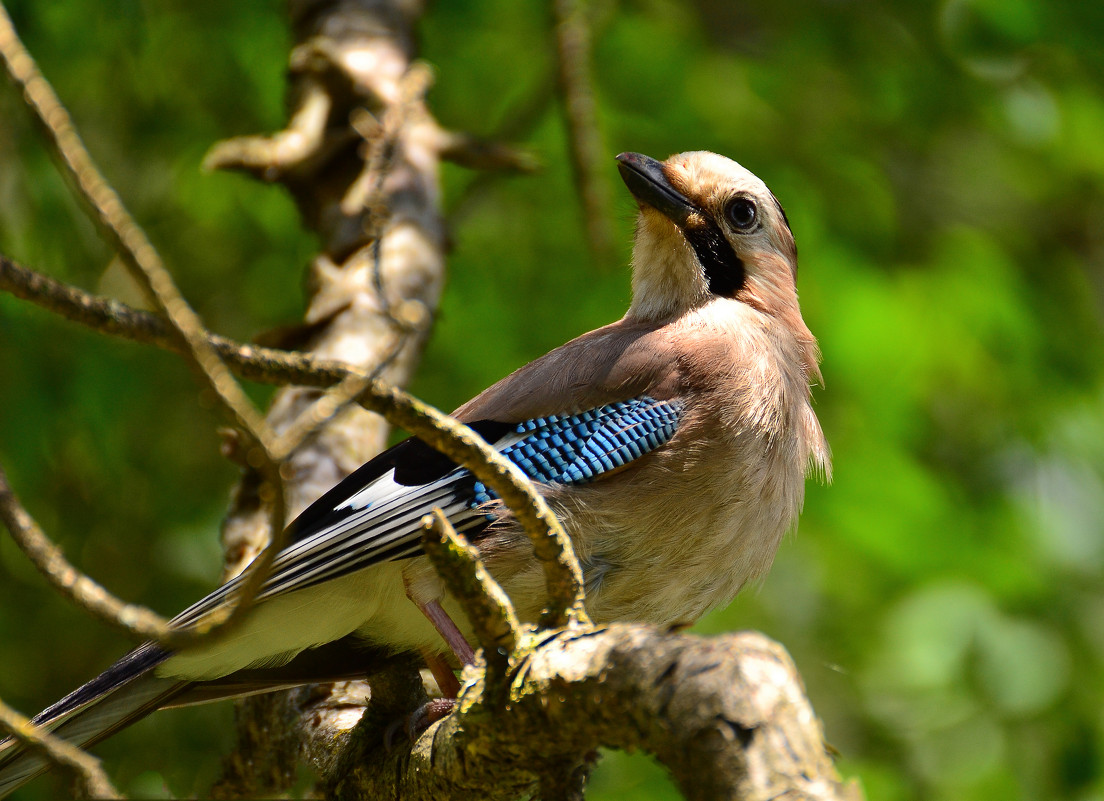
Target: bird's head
(708,228)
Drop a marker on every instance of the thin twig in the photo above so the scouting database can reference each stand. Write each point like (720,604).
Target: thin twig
(84,767)
(331,404)
(145,266)
(109,316)
(270,157)
(487,606)
(573,46)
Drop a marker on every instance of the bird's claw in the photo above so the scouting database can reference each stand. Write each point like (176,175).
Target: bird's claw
(415,724)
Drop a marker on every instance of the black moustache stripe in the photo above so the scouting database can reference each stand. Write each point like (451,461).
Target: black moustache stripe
(723,268)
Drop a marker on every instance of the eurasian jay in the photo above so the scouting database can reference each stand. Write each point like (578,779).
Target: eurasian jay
(672,444)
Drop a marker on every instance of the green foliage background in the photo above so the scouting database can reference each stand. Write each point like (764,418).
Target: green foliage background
(942,167)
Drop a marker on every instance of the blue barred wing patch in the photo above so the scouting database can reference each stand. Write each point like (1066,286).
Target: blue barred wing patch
(375,514)
(578,448)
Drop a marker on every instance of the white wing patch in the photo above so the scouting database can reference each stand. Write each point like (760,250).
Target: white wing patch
(381,519)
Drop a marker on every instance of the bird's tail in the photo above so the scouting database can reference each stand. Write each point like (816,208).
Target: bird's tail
(124,693)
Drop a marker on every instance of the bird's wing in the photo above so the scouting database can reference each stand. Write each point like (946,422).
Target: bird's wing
(626,359)
(375,514)
(589,406)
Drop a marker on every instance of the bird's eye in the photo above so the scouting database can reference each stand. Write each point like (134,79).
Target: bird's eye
(742,213)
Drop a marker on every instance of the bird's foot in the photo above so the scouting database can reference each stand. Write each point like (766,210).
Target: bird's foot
(415,724)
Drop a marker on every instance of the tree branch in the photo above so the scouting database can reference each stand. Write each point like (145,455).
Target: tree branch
(274,366)
(588,157)
(108,316)
(727,716)
(464,446)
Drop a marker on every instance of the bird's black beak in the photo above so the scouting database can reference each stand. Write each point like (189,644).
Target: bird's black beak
(645,179)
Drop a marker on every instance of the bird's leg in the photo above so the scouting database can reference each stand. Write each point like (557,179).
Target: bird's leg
(442,673)
(448,630)
(426,596)
(428,714)
(441,670)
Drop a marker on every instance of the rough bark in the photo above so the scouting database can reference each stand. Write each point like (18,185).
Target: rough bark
(727,716)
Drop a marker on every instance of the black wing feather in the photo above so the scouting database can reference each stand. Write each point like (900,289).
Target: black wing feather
(414,462)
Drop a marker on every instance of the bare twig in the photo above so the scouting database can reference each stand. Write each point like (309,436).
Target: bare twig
(269,157)
(108,316)
(84,767)
(573,45)
(477,153)
(551,544)
(487,606)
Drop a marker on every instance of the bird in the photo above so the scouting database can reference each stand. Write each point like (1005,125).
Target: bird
(673,445)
